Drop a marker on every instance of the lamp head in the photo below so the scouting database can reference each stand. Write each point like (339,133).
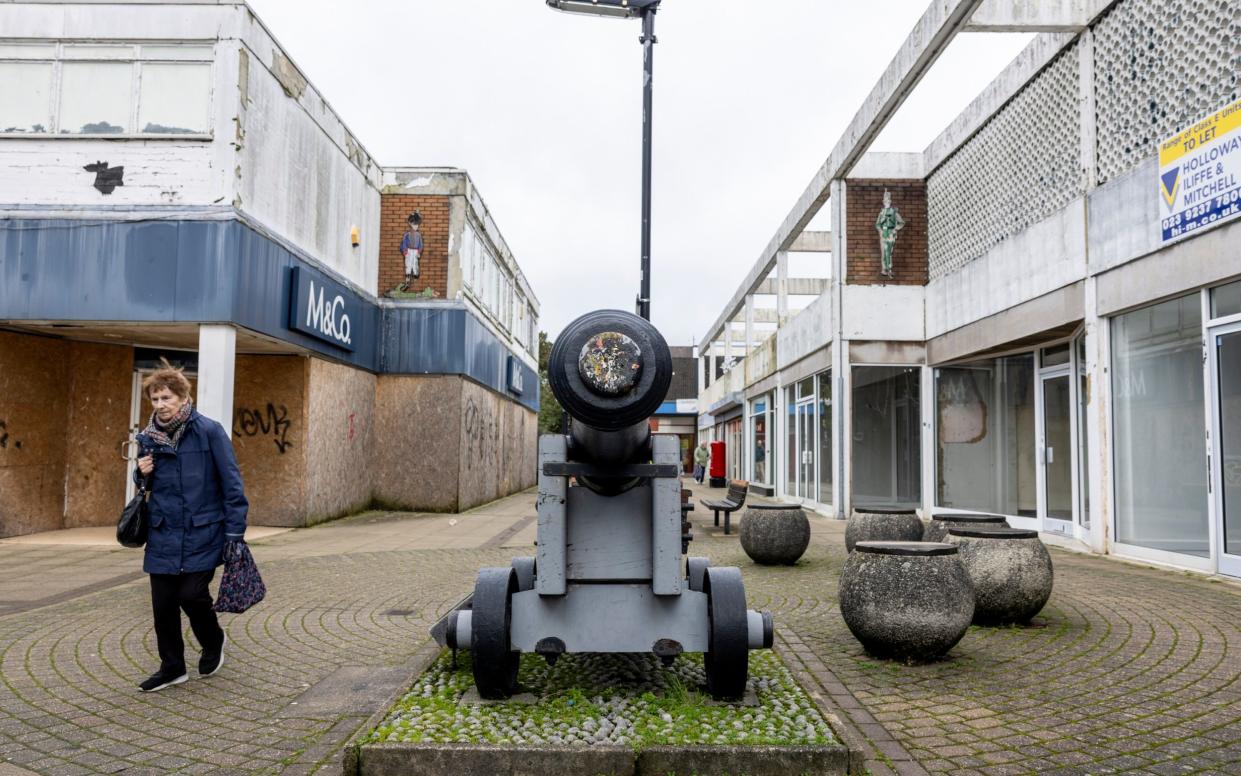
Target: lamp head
(623,9)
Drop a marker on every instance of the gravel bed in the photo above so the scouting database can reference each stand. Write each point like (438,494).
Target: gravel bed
(606,699)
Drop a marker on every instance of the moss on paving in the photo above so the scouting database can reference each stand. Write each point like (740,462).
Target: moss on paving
(589,699)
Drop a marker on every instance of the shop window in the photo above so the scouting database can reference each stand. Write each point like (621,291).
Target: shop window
(790,438)
(96,98)
(25,96)
(985,436)
(887,436)
(826,493)
(172,100)
(1160,456)
(105,89)
(760,440)
(1056,355)
(1226,300)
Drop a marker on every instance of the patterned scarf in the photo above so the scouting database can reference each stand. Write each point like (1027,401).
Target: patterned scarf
(169,434)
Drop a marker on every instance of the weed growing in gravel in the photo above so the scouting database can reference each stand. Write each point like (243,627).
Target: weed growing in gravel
(606,699)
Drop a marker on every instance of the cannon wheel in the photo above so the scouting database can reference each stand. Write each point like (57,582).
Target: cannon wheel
(695,570)
(495,663)
(727,658)
(525,568)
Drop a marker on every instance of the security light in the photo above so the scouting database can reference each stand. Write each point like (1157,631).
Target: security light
(625,9)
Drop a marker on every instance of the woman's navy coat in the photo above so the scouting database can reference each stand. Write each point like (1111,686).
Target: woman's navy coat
(196,499)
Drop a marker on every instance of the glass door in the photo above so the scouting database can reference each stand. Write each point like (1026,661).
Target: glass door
(1057,453)
(805,450)
(1226,456)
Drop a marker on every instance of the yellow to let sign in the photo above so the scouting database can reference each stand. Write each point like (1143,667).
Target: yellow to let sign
(1200,174)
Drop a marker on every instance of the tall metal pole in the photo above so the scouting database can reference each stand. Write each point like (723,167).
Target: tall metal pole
(648,44)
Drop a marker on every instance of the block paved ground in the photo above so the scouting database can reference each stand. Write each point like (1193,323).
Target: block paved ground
(1128,669)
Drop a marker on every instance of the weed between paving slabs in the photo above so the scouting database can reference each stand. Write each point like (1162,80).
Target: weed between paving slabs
(606,699)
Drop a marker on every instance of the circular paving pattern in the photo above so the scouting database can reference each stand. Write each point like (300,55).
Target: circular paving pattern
(1127,669)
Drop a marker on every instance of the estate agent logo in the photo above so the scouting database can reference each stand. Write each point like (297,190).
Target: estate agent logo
(322,309)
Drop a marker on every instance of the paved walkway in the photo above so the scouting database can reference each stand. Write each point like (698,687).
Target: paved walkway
(1128,669)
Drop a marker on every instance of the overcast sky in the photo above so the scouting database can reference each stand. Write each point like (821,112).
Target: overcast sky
(544,110)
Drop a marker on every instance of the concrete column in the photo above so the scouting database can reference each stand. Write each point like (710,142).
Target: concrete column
(728,341)
(712,366)
(217,357)
(1089,149)
(841,384)
(926,403)
(702,372)
(782,287)
(1098,469)
(749,324)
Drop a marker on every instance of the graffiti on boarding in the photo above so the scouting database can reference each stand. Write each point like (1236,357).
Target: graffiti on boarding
(272,422)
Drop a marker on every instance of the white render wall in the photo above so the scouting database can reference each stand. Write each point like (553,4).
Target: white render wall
(282,159)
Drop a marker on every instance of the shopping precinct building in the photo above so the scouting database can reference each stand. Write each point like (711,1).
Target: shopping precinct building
(172,186)
(1058,335)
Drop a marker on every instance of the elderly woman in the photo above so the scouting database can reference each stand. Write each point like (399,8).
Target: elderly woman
(196,505)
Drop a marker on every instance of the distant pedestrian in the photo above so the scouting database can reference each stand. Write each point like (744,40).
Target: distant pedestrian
(702,456)
(197,504)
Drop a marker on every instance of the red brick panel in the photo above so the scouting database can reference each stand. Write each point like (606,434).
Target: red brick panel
(909,260)
(433,268)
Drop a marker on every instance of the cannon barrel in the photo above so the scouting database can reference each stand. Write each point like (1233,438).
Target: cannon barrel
(610,370)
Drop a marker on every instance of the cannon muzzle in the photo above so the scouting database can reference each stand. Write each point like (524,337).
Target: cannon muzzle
(610,370)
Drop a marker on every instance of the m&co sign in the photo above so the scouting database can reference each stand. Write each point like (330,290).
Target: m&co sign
(322,308)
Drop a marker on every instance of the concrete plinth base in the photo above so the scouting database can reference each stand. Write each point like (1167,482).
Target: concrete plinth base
(456,759)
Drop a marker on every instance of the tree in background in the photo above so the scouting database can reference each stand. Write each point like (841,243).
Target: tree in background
(551,414)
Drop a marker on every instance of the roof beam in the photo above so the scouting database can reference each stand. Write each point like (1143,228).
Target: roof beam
(796,286)
(1035,15)
(928,39)
(812,242)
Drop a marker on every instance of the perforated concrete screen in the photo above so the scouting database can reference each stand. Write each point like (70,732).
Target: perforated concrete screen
(1022,166)
(1160,65)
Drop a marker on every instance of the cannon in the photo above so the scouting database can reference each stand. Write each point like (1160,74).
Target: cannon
(608,575)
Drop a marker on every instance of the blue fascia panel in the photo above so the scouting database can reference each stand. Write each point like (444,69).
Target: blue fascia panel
(189,271)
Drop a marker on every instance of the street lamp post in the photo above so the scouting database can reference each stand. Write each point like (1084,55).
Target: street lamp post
(629,9)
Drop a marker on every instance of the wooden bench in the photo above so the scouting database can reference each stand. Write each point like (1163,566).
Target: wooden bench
(734,500)
(687,530)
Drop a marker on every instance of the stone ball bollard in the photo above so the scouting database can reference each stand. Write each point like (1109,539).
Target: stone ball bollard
(1010,570)
(882,524)
(937,529)
(774,534)
(906,600)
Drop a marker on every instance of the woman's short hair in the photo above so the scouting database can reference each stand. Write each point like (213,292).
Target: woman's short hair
(167,376)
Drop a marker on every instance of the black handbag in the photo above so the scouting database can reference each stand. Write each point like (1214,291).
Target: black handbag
(135,522)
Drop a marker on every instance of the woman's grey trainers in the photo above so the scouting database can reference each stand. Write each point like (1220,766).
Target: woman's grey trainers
(210,662)
(159,680)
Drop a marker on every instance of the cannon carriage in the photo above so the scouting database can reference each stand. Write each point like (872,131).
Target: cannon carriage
(609,574)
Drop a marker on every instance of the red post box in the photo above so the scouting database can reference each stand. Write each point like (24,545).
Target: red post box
(718,480)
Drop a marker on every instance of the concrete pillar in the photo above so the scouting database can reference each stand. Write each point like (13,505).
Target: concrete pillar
(927,405)
(782,287)
(702,372)
(217,357)
(841,384)
(1089,149)
(749,324)
(1097,474)
(728,340)
(713,367)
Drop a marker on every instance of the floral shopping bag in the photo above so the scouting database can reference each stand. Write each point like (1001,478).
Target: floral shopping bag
(241,586)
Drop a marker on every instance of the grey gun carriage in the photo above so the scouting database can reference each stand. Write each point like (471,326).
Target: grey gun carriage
(609,576)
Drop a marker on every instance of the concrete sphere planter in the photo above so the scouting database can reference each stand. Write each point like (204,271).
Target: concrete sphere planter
(775,534)
(1010,570)
(937,529)
(882,524)
(906,600)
